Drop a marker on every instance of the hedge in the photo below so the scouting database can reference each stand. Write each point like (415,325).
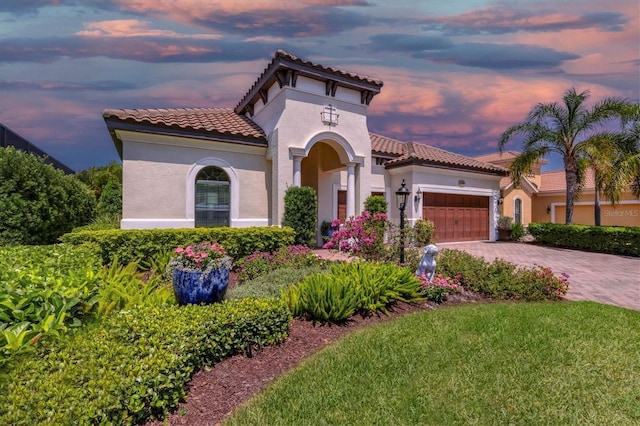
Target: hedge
(603,239)
(129,245)
(136,365)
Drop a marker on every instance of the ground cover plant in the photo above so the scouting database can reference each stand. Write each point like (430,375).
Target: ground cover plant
(260,263)
(499,363)
(272,283)
(45,291)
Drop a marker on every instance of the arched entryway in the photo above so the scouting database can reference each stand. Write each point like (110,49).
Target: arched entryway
(212,198)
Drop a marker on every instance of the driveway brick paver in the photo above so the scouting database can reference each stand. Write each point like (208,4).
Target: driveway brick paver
(604,278)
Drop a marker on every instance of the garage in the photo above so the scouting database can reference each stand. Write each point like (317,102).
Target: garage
(457,217)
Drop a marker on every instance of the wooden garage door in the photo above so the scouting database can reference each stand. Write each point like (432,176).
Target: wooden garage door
(457,217)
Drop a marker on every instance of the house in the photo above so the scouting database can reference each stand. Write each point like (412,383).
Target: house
(301,123)
(541,197)
(10,138)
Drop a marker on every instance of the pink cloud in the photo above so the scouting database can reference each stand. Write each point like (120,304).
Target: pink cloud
(132,28)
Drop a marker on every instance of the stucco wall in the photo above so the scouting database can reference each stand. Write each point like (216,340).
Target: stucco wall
(626,213)
(159,180)
(293,123)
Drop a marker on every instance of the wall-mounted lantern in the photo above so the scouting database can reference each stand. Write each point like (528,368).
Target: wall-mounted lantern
(329,115)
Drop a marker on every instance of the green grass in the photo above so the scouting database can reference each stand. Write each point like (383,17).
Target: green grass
(536,364)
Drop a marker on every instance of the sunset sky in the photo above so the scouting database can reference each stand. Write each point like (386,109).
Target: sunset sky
(456,73)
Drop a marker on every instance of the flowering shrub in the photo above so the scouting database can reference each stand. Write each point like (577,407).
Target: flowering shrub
(362,235)
(543,284)
(440,288)
(204,257)
(260,262)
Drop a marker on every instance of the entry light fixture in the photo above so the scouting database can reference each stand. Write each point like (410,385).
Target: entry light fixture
(548,209)
(418,196)
(401,197)
(461,183)
(329,115)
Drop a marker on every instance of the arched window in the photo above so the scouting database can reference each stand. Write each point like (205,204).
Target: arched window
(212,198)
(517,211)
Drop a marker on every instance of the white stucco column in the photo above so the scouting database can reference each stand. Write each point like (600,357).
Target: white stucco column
(297,166)
(351,190)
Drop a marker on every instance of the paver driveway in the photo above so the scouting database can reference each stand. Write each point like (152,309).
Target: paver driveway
(603,278)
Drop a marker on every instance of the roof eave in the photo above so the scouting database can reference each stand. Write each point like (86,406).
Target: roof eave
(420,162)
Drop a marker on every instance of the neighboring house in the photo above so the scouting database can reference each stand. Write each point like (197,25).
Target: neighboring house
(300,124)
(10,138)
(541,197)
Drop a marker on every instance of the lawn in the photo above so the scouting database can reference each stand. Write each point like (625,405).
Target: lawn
(500,363)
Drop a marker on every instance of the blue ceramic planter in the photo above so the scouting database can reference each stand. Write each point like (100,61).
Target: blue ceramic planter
(198,288)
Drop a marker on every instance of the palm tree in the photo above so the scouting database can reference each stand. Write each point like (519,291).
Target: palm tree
(564,129)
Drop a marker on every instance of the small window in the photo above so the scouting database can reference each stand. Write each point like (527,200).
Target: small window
(212,198)
(518,211)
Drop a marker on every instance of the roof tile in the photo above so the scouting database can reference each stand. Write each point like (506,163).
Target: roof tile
(218,120)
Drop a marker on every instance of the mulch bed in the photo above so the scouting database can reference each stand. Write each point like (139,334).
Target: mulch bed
(215,393)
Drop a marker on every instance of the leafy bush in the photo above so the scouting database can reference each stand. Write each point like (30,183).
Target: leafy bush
(469,270)
(272,283)
(505,222)
(501,279)
(375,204)
(301,213)
(38,203)
(423,231)
(129,245)
(121,288)
(136,365)
(603,239)
(110,202)
(352,287)
(44,291)
(517,231)
(260,262)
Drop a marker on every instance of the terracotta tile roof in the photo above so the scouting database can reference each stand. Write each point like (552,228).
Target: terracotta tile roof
(384,145)
(497,156)
(285,60)
(412,152)
(555,181)
(222,121)
(504,159)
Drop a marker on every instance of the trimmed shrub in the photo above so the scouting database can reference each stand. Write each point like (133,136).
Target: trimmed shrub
(136,365)
(375,204)
(301,213)
(38,203)
(603,239)
(130,245)
(423,231)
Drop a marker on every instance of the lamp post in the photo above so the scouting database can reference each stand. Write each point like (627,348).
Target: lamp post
(401,197)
